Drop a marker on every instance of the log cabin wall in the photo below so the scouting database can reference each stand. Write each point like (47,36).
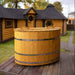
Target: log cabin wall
(39,23)
(38,19)
(25,22)
(31,23)
(57,23)
(32,14)
(8,32)
(65,27)
(21,23)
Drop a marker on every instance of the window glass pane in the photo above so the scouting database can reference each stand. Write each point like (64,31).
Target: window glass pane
(8,24)
(49,23)
(69,21)
(30,18)
(73,21)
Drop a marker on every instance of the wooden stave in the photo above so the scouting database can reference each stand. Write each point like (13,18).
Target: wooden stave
(34,53)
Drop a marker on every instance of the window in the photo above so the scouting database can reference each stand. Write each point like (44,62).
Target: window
(69,21)
(8,24)
(49,23)
(73,21)
(30,18)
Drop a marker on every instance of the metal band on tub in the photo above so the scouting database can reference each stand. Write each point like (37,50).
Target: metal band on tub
(37,54)
(37,39)
(38,62)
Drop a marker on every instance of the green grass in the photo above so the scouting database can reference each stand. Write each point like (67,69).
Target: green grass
(2,74)
(66,37)
(6,50)
(74,37)
(63,50)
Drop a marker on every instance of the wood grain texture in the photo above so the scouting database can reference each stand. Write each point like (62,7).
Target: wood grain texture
(7,33)
(21,23)
(31,23)
(65,26)
(39,23)
(37,52)
(57,23)
(67,64)
(63,67)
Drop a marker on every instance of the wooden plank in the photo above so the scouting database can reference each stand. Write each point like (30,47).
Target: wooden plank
(16,68)
(6,69)
(6,73)
(29,72)
(32,70)
(5,64)
(37,70)
(59,68)
(50,70)
(66,65)
(24,71)
(56,69)
(7,32)
(45,70)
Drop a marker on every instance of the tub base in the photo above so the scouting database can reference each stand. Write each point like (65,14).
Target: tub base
(37,64)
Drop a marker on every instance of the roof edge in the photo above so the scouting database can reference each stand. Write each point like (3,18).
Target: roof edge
(29,10)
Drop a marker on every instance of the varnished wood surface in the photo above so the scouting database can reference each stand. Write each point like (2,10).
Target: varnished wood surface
(37,46)
(7,33)
(64,67)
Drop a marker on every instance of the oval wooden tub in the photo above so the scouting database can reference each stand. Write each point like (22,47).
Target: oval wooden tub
(37,46)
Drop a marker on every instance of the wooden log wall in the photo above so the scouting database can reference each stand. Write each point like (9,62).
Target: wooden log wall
(21,23)
(31,23)
(56,23)
(65,27)
(7,32)
(39,23)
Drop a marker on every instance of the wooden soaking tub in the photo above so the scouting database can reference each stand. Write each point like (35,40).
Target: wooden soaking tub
(37,46)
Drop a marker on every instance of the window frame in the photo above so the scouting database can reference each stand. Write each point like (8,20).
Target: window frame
(51,23)
(30,18)
(69,21)
(10,24)
(73,21)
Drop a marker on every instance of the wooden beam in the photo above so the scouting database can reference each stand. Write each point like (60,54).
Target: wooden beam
(63,27)
(43,23)
(35,23)
(1,36)
(15,23)
(26,23)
